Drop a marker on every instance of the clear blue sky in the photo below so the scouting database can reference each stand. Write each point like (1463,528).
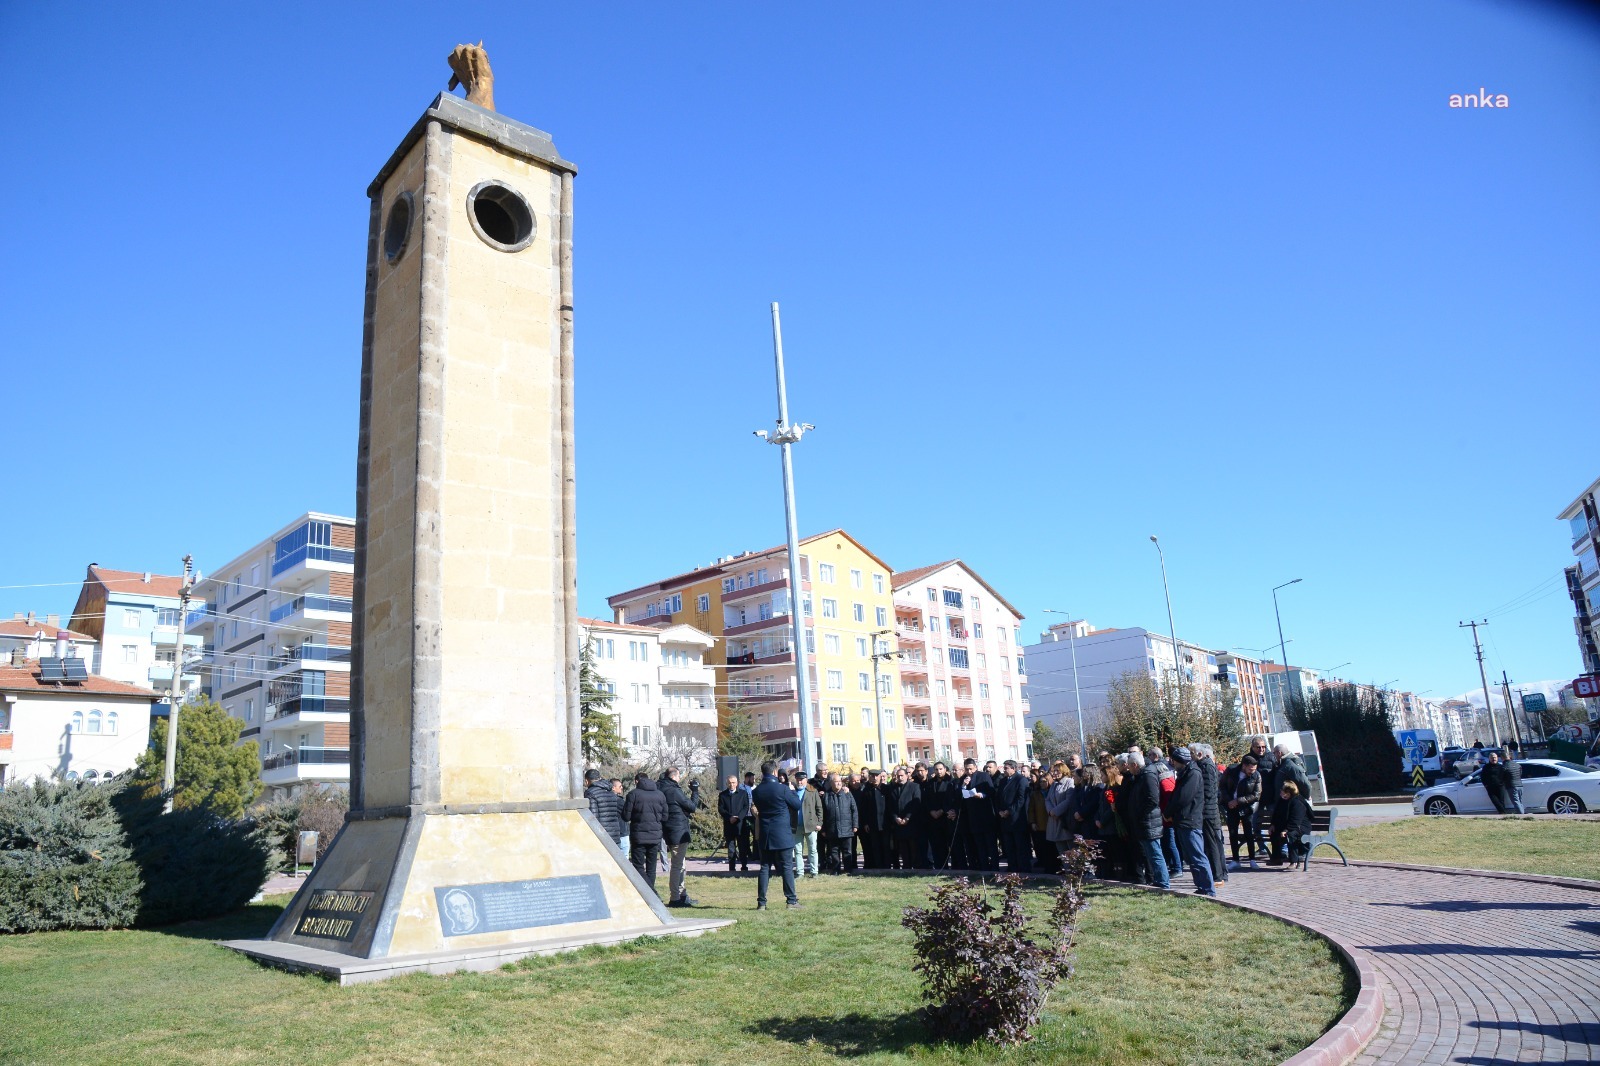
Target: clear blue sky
(1054,278)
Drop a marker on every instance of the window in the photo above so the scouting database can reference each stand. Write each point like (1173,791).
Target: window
(988,721)
(111,722)
(983,690)
(870,750)
(130,619)
(1533,769)
(888,717)
(858,611)
(606,648)
(841,753)
(881,614)
(1016,631)
(835,680)
(825,573)
(1002,634)
(983,661)
(836,716)
(130,653)
(233,672)
(883,684)
(250,710)
(703,604)
(1020,668)
(830,608)
(96,721)
(944,720)
(958,658)
(636,734)
(866,720)
(168,617)
(941,686)
(877,582)
(938,656)
(864,683)
(977,627)
(674,605)
(1011,723)
(861,646)
(811,641)
(77,722)
(644,690)
(894,753)
(855,579)
(830,643)
(952,598)
(933,594)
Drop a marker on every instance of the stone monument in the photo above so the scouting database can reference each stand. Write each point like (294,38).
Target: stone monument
(469,843)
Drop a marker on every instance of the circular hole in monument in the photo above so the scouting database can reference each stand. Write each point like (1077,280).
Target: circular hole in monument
(501,216)
(397,230)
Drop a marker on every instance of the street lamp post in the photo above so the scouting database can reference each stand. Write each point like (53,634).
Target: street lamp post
(1172,629)
(1283,650)
(1077,697)
(877,693)
(785,434)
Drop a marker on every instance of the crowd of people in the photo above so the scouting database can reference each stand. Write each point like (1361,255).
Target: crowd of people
(1151,813)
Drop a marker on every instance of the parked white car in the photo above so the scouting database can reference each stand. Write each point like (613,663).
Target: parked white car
(1552,785)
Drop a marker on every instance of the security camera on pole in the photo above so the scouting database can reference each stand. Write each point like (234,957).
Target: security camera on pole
(785,434)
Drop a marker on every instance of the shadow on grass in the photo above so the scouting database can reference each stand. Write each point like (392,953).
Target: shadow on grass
(847,1035)
(250,923)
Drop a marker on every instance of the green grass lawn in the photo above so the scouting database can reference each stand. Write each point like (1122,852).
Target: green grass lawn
(1522,845)
(1161,979)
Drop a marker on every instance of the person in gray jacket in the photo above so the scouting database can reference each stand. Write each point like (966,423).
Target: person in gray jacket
(1061,804)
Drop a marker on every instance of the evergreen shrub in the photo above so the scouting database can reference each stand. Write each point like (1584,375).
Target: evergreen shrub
(64,859)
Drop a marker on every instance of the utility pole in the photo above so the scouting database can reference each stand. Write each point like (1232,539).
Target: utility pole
(1511,711)
(169,775)
(1488,705)
(783,436)
(877,694)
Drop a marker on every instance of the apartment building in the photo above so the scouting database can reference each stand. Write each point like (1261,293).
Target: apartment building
(1243,675)
(1582,516)
(276,653)
(962,673)
(1283,685)
(665,688)
(1074,661)
(132,617)
(848,606)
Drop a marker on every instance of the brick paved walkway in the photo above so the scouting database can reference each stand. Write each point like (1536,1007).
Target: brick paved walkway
(1475,969)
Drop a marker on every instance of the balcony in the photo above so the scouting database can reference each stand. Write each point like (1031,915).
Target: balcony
(740,660)
(311,602)
(779,584)
(913,666)
(309,656)
(913,729)
(302,764)
(308,551)
(777,621)
(201,615)
(705,715)
(686,675)
(300,708)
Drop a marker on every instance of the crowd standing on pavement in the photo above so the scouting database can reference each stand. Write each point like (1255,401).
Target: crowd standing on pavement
(1152,814)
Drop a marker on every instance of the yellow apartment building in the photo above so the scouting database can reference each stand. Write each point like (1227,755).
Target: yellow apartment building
(848,607)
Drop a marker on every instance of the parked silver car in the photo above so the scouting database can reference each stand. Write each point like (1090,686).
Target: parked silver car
(1552,785)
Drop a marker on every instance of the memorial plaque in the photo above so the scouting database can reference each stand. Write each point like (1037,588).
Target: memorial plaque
(492,908)
(333,914)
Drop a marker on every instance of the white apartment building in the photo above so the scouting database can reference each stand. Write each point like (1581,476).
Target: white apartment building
(132,617)
(1297,682)
(1582,515)
(276,627)
(1074,662)
(962,672)
(665,687)
(88,729)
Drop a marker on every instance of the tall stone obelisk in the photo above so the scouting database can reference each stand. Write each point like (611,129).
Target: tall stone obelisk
(469,842)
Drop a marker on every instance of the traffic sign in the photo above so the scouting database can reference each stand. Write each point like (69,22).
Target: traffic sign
(1417,777)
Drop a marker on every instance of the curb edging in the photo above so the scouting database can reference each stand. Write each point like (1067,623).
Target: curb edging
(1462,871)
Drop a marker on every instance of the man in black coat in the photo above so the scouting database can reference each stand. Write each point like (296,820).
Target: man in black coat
(680,809)
(645,812)
(1267,768)
(905,817)
(838,823)
(1211,816)
(605,805)
(1496,782)
(1187,810)
(733,807)
(776,806)
(872,813)
(1011,812)
(1143,815)
(941,800)
(977,818)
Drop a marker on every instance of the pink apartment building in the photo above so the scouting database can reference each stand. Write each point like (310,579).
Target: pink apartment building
(962,674)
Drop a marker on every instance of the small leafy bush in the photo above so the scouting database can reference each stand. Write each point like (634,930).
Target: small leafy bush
(986,974)
(322,810)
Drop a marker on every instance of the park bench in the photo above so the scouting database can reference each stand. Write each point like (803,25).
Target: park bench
(1322,832)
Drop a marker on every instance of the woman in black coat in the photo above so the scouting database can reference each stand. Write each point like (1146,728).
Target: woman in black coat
(838,824)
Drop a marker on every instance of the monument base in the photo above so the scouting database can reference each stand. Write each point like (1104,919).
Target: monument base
(437,889)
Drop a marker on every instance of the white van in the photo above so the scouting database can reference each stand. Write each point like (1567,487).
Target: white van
(1419,747)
